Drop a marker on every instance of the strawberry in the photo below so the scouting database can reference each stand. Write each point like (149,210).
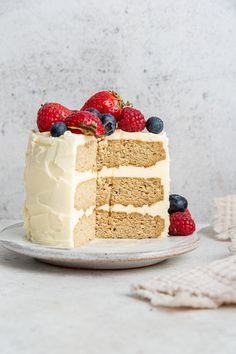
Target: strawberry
(106,102)
(132,120)
(50,113)
(181,225)
(86,123)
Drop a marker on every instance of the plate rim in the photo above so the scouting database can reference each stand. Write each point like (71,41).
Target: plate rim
(76,254)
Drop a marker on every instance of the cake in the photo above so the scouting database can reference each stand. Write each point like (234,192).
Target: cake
(79,188)
(84,186)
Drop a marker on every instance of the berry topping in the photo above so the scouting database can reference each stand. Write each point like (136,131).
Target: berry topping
(51,113)
(109,123)
(154,125)
(86,123)
(181,225)
(58,129)
(132,120)
(106,102)
(177,203)
(187,213)
(94,111)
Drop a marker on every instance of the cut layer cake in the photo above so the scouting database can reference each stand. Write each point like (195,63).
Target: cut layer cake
(101,172)
(81,187)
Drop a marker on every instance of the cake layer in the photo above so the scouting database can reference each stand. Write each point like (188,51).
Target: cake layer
(129,191)
(85,195)
(127,225)
(84,230)
(115,153)
(86,155)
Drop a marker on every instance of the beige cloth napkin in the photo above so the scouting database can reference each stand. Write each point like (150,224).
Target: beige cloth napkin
(224,218)
(208,286)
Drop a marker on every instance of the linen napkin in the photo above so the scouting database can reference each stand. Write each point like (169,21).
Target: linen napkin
(207,286)
(224,218)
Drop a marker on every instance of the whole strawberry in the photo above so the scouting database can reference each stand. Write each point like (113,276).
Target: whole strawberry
(86,123)
(132,120)
(51,113)
(106,102)
(181,225)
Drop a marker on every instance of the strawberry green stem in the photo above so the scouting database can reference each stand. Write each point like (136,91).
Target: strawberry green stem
(120,100)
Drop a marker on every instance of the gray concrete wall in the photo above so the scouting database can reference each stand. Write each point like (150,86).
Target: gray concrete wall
(175,59)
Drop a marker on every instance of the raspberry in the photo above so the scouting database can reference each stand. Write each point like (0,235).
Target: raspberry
(181,225)
(187,213)
(132,120)
(86,123)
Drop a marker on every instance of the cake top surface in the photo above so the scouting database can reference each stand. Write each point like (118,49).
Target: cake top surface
(119,134)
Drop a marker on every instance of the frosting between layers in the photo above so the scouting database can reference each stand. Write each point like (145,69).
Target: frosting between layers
(143,136)
(157,170)
(153,210)
(84,176)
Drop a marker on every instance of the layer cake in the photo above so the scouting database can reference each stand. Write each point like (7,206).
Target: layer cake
(80,187)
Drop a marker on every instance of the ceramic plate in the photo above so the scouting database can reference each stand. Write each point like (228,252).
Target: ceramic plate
(101,253)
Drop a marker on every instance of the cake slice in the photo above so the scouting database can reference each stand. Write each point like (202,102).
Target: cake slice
(132,195)
(94,173)
(79,188)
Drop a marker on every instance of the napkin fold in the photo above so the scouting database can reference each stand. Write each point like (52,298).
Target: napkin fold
(207,286)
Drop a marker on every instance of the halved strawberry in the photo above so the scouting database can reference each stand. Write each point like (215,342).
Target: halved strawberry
(86,123)
(106,102)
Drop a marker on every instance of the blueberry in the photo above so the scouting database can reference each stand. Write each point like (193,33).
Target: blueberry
(154,125)
(58,129)
(109,123)
(177,203)
(94,111)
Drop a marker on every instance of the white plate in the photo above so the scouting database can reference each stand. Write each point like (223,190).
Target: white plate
(101,253)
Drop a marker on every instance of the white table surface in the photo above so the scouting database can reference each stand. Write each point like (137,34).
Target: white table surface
(46,309)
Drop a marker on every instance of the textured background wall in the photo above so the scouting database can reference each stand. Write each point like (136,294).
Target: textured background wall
(171,58)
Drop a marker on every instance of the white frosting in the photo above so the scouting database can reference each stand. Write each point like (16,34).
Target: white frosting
(154,209)
(84,176)
(51,180)
(87,212)
(143,136)
(50,184)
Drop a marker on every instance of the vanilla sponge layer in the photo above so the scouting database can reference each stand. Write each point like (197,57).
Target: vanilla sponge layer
(128,190)
(122,225)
